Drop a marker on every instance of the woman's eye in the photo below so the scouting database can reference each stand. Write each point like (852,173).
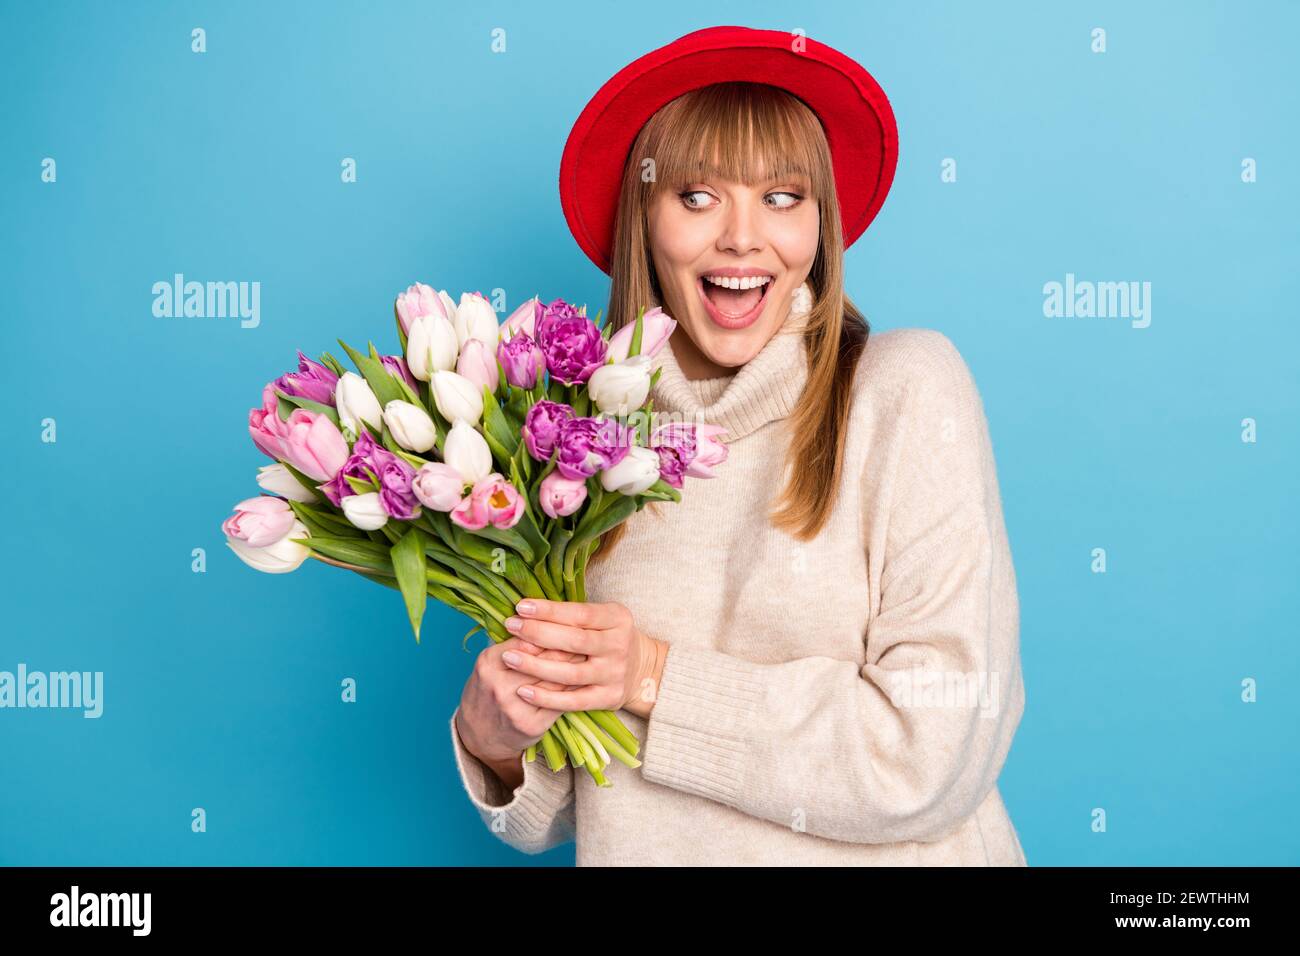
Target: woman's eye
(699,198)
(790,199)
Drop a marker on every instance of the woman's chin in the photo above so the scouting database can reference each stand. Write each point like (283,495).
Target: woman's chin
(728,348)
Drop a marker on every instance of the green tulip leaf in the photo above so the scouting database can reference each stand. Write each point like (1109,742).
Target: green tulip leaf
(310,406)
(409,567)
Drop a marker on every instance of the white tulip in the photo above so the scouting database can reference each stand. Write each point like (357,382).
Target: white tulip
(448,304)
(638,470)
(411,425)
(356,403)
(431,345)
(620,388)
(279,558)
(476,319)
(365,511)
(467,451)
(456,397)
(277,480)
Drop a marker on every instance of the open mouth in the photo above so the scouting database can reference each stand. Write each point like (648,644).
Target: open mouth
(733,302)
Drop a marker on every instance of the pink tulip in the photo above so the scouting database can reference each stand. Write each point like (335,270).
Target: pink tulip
(265,426)
(522,319)
(417,300)
(505,504)
(260,521)
(471,513)
(709,452)
(562,496)
(314,445)
(494,501)
(656,327)
(439,486)
(478,363)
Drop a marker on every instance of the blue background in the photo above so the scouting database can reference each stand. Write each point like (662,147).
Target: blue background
(222,689)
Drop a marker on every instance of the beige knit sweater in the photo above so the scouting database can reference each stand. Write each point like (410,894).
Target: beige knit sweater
(848,700)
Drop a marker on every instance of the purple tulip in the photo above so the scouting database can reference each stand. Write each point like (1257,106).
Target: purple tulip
(395,492)
(370,461)
(542,427)
(396,366)
(677,448)
(571,343)
(337,488)
(312,380)
(589,445)
(523,361)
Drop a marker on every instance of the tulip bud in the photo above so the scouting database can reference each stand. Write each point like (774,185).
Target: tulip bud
(476,319)
(365,511)
(638,470)
(356,403)
(411,426)
(313,444)
(523,361)
(281,557)
(560,496)
(456,397)
(438,485)
(478,363)
(430,345)
(259,532)
(277,480)
(522,319)
(656,327)
(467,451)
(417,300)
(448,306)
(709,451)
(620,388)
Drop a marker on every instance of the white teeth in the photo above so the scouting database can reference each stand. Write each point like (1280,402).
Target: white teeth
(733,282)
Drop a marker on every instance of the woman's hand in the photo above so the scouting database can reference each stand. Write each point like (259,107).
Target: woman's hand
(496,724)
(619,666)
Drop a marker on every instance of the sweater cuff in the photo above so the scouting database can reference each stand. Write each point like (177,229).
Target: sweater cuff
(532,806)
(697,735)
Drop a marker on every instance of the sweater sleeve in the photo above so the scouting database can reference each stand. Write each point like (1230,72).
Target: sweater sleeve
(907,744)
(537,816)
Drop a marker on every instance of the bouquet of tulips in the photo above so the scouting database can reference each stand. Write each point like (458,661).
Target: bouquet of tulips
(480,466)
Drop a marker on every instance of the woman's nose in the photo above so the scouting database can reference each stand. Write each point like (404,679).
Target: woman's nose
(740,229)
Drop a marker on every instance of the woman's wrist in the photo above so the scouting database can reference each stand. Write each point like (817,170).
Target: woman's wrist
(509,772)
(646,692)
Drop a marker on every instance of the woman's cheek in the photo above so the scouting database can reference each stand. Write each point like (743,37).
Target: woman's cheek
(796,240)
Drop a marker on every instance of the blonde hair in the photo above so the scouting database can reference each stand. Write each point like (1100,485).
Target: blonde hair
(746,132)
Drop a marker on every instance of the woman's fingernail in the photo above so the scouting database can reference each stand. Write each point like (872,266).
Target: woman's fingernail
(513,624)
(511,658)
(525,607)
(526,692)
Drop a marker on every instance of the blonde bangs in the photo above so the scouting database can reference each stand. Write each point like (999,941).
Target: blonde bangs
(743,132)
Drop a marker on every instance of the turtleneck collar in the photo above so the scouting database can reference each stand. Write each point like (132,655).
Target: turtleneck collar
(762,390)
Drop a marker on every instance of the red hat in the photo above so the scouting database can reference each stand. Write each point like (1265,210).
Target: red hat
(852,107)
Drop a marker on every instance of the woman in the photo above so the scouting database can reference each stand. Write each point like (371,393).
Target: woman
(833,680)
